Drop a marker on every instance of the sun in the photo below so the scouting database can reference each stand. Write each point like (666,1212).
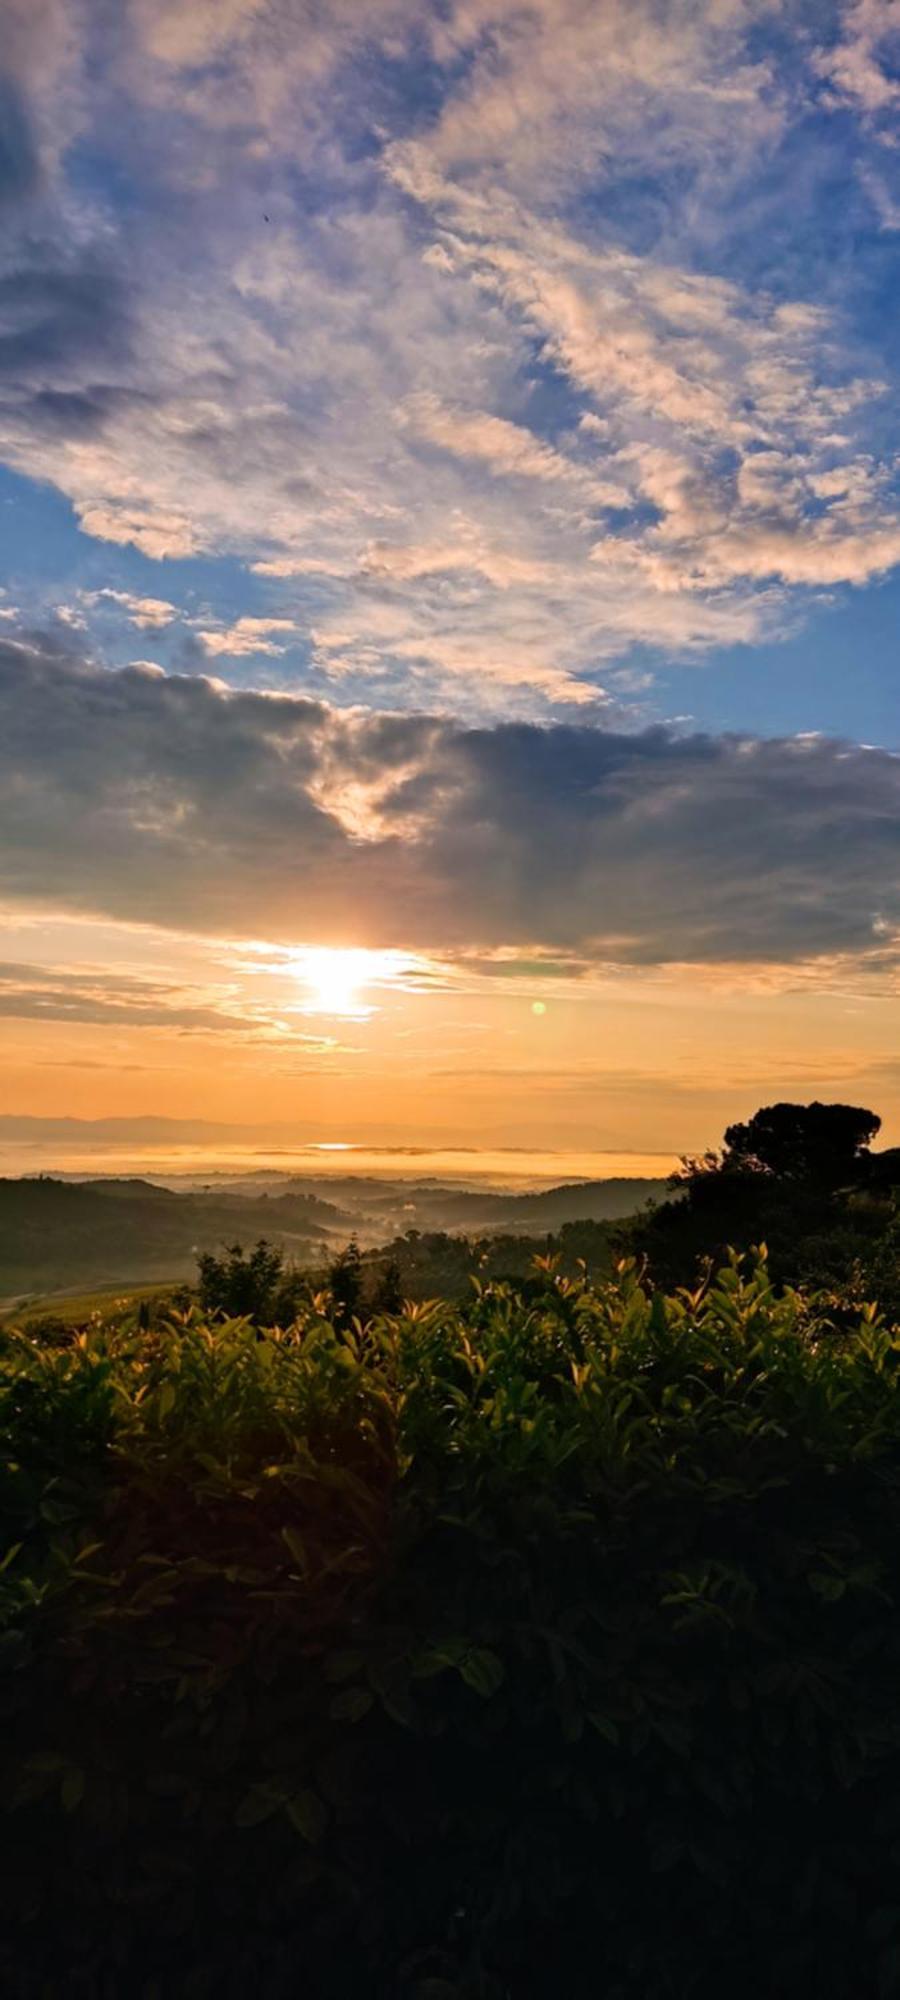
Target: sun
(336,979)
(342,979)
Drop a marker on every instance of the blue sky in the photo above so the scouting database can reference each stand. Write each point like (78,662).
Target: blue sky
(540,352)
(456,422)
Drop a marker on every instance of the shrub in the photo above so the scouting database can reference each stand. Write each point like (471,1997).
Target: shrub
(545,1644)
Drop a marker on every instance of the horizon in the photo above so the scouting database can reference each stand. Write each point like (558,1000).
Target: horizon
(76,1149)
(450,570)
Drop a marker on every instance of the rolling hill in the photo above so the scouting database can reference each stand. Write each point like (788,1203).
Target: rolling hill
(57,1233)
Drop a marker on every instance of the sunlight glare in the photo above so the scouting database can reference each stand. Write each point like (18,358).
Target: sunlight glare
(337,980)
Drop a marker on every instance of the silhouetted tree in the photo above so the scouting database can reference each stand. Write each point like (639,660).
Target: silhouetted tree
(793,1176)
(822,1145)
(345,1283)
(239,1284)
(387,1296)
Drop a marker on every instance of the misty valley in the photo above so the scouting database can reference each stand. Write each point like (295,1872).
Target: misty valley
(59,1235)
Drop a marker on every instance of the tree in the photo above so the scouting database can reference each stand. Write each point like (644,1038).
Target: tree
(823,1145)
(388,1294)
(345,1283)
(240,1285)
(791,1177)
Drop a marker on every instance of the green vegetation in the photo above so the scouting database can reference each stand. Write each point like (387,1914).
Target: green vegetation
(800,1178)
(547,1643)
(61,1312)
(57,1235)
(66,1236)
(413,1267)
(431,1263)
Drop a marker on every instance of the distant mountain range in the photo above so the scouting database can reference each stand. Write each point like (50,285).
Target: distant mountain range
(61,1233)
(23,1129)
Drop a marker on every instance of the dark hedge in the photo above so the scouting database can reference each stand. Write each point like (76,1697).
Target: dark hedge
(543,1646)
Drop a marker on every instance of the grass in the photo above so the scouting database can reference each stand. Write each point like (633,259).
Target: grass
(112,1304)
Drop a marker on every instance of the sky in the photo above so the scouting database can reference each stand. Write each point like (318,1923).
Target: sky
(449,567)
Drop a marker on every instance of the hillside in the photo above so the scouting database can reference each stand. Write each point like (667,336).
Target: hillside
(384,1207)
(582,1201)
(64,1233)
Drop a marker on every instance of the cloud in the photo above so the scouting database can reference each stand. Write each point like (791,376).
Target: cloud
(18,156)
(408,562)
(172,801)
(151,614)
(854,67)
(29,993)
(246,636)
(557,88)
(507,449)
(885,203)
(414,355)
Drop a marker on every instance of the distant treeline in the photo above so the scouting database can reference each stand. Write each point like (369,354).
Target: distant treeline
(414,1267)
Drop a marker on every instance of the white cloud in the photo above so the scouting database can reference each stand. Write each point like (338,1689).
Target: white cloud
(246,637)
(854,66)
(507,449)
(151,614)
(555,87)
(502,409)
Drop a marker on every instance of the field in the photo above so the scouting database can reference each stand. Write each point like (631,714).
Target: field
(546,1643)
(77,1309)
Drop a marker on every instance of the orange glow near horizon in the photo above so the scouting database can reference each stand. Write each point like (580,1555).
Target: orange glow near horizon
(370,1048)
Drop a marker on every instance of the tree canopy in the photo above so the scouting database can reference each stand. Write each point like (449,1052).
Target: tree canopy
(798,1177)
(816,1143)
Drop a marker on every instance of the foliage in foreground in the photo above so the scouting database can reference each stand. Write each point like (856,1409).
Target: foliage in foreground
(548,1644)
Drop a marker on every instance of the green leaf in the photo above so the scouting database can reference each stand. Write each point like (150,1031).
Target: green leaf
(827,1585)
(307,1814)
(482,1670)
(90,1549)
(165,1402)
(71,1790)
(436,1659)
(258,1804)
(293,1540)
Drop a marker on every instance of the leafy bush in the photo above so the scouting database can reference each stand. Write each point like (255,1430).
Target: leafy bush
(253,1283)
(548,1644)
